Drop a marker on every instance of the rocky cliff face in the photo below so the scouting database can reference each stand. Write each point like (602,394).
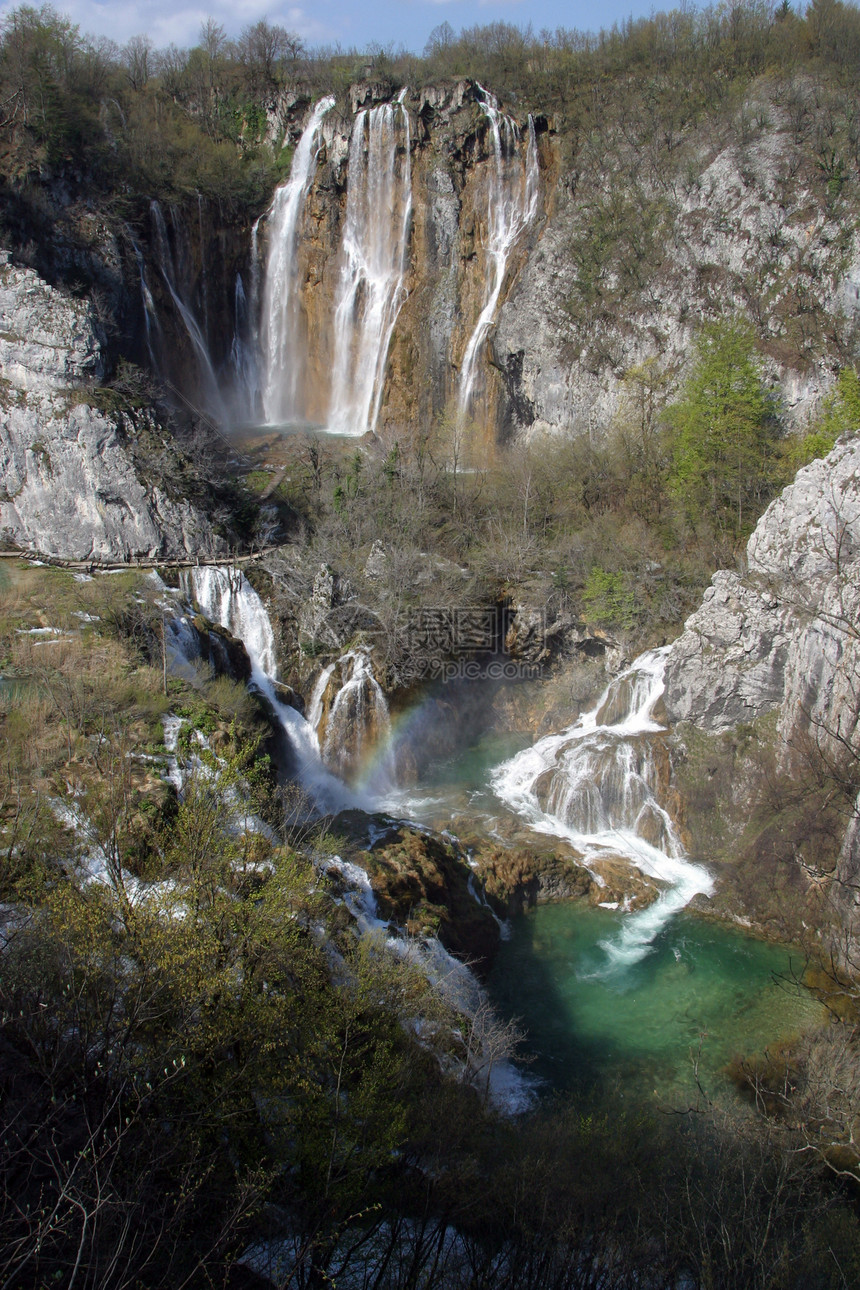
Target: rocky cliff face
(631,262)
(784,638)
(784,634)
(69,483)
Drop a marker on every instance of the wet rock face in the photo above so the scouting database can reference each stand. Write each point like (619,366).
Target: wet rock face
(69,484)
(422,883)
(224,652)
(448,264)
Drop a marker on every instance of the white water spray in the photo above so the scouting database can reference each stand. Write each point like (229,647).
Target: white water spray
(358,724)
(375,241)
(512,200)
(594,784)
(282,339)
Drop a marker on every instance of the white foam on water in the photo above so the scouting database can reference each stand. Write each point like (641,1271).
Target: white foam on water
(593,785)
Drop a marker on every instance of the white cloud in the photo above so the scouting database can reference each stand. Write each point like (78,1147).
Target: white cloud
(168,23)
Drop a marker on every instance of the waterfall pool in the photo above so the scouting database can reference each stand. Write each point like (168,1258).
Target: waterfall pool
(650,1004)
(706,994)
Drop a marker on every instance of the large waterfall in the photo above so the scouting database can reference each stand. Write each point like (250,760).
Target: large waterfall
(313,322)
(375,242)
(370,289)
(598,784)
(282,336)
(512,199)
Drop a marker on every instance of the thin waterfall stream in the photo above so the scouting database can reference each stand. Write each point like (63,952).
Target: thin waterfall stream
(174,271)
(512,198)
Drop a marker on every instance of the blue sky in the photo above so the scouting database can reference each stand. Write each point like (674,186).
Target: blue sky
(324,22)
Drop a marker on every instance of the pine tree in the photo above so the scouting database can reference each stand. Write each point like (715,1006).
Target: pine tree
(725,431)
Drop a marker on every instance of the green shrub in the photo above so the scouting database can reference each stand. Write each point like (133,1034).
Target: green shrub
(608,601)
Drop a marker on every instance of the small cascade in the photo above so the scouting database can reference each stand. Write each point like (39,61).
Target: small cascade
(375,242)
(226,597)
(350,715)
(150,313)
(176,271)
(243,356)
(282,338)
(512,199)
(599,784)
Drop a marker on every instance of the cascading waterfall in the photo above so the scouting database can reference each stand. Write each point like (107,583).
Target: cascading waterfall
(209,387)
(512,199)
(282,340)
(375,242)
(596,784)
(357,725)
(225,596)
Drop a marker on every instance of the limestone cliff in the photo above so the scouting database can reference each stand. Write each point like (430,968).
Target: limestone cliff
(784,634)
(784,638)
(69,483)
(632,261)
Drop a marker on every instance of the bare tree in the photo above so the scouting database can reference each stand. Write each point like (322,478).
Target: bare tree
(137,57)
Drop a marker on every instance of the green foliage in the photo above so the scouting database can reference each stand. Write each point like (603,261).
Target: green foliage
(608,600)
(839,415)
(723,461)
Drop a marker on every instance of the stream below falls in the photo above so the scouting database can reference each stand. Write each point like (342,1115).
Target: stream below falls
(653,1002)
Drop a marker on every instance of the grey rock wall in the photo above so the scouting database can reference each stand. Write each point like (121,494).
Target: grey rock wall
(786,634)
(735,239)
(68,485)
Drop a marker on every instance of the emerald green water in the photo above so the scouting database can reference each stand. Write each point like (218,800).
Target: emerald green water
(706,993)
